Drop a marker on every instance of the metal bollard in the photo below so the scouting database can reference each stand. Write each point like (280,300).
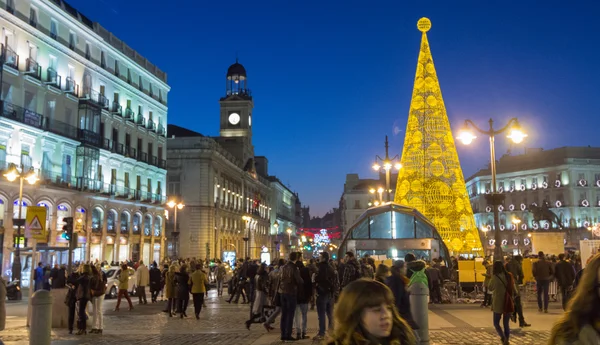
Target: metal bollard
(419,308)
(41,318)
(2,304)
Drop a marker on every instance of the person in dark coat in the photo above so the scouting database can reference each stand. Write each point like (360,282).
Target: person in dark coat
(83,296)
(183,290)
(398,283)
(71,299)
(155,282)
(304,296)
(565,276)
(59,277)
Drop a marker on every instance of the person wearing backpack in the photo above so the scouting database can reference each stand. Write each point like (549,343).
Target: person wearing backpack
(415,270)
(98,291)
(327,286)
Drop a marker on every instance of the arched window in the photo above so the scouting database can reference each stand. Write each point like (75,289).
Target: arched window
(124,222)
(24,205)
(111,221)
(137,221)
(157,226)
(147,225)
(97,219)
(48,213)
(80,220)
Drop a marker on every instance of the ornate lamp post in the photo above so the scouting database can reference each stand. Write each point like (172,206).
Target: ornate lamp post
(386,163)
(246,239)
(12,174)
(516,221)
(175,205)
(466,136)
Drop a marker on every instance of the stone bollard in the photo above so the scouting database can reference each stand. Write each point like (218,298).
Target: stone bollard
(2,304)
(41,318)
(419,308)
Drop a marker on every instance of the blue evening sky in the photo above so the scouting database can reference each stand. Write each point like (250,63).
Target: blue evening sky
(331,78)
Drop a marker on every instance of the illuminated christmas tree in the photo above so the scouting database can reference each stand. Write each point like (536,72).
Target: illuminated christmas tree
(431,179)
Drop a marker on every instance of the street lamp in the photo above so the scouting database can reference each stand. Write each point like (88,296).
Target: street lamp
(387,163)
(289,232)
(175,205)
(516,221)
(517,135)
(247,238)
(12,174)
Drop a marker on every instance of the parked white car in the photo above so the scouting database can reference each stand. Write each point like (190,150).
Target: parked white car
(112,281)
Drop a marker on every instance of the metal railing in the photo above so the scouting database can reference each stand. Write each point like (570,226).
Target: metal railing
(153,161)
(140,120)
(61,128)
(22,115)
(142,157)
(130,152)
(161,130)
(10,57)
(32,68)
(71,87)
(151,125)
(129,114)
(162,163)
(52,78)
(89,137)
(95,97)
(116,108)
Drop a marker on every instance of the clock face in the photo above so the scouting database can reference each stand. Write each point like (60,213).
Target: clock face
(249,120)
(234,118)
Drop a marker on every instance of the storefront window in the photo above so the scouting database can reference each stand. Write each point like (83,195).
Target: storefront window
(111,221)
(97,218)
(24,205)
(157,226)
(124,222)
(137,220)
(62,211)
(147,225)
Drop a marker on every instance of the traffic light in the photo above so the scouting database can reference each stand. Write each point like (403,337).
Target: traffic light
(68,228)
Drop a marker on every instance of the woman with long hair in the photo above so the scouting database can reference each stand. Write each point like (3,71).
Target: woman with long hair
(365,314)
(502,285)
(98,291)
(260,297)
(580,324)
(170,291)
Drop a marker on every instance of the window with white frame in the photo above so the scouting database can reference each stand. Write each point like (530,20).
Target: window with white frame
(53,28)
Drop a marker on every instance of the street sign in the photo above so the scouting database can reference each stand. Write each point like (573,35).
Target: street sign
(35,223)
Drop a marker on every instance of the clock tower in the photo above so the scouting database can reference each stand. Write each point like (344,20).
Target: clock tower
(236,114)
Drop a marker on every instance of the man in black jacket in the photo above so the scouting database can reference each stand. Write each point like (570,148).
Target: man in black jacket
(327,286)
(515,267)
(288,290)
(565,276)
(155,279)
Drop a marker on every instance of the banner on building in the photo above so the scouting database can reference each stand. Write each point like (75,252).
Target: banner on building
(35,223)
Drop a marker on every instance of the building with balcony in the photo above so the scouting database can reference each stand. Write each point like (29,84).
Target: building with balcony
(88,113)
(567,179)
(362,194)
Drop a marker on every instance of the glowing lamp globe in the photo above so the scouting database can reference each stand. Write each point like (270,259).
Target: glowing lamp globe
(466,136)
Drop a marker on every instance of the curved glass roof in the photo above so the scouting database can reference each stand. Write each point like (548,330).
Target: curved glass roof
(393,222)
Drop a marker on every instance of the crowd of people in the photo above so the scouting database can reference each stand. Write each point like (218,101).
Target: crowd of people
(372,304)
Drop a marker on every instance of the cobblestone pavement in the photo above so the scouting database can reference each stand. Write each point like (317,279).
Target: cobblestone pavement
(223,323)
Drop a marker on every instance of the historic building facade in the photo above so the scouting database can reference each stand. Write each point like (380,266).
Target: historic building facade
(89,114)
(567,179)
(286,215)
(361,194)
(228,194)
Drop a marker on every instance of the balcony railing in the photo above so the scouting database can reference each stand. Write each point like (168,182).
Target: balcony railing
(142,157)
(22,115)
(32,68)
(52,78)
(151,125)
(129,114)
(10,9)
(130,152)
(60,128)
(10,57)
(161,130)
(94,96)
(140,120)
(71,87)
(162,163)
(116,108)
(153,161)
(89,137)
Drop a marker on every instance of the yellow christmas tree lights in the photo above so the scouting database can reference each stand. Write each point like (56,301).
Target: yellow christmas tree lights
(431,179)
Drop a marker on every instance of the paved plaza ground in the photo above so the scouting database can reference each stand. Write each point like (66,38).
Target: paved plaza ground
(222,323)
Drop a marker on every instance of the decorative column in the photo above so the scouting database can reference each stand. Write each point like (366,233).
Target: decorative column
(117,242)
